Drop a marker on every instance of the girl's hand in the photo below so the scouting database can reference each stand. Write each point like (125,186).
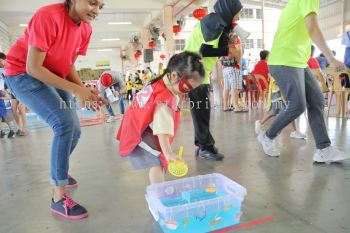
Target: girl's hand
(89,98)
(173,157)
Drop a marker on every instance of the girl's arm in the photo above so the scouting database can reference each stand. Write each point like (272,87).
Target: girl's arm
(163,125)
(74,77)
(35,68)
(166,147)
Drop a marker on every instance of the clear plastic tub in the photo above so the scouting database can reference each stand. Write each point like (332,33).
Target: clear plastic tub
(196,204)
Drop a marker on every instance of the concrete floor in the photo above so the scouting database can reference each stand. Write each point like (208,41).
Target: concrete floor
(301,197)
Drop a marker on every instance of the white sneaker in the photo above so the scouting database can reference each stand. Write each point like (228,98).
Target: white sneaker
(329,155)
(297,135)
(269,146)
(110,119)
(258,128)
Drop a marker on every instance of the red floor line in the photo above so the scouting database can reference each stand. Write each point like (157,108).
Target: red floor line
(244,225)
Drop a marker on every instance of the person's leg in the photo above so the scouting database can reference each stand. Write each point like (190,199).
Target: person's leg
(121,100)
(109,107)
(8,119)
(217,92)
(11,133)
(200,111)
(226,99)
(10,125)
(235,99)
(156,175)
(72,107)
(315,111)
(259,124)
(227,78)
(16,114)
(293,126)
(131,95)
(22,112)
(295,132)
(291,82)
(48,105)
(2,133)
(266,118)
(237,86)
(121,106)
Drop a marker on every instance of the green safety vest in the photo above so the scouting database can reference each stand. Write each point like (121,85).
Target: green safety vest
(193,44)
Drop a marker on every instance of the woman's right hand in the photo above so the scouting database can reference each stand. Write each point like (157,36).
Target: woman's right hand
(336,65)
(89,98)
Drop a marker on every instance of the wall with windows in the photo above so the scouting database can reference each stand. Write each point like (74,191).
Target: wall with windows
(251,21)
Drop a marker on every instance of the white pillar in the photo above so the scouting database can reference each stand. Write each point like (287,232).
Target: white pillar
(168,26)
(132,52)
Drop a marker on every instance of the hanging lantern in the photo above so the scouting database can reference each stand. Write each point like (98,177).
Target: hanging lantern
(199,13)
(163,35)
(152,44)
(176,29)
(162,56)
(138,54)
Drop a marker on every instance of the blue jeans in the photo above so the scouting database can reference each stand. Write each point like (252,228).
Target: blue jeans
(121,106)
(108,106)
(121,100)
(57,109)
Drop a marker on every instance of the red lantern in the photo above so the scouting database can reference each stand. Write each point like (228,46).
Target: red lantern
(138,54)
(199,13)
(162,56)
(163,35)
(152,44)
(176,29)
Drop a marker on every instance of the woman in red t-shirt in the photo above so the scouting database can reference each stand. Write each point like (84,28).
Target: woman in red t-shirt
(262,68)
(40,73)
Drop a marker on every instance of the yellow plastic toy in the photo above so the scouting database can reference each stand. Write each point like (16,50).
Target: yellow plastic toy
(178,168)
(210,188)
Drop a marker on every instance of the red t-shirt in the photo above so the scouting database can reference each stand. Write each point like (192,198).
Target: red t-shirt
(262,68)
(51,30)
(313,63)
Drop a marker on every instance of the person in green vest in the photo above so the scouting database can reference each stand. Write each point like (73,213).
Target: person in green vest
(298,27)
(210,39)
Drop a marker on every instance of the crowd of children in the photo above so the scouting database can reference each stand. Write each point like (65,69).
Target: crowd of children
(11,111)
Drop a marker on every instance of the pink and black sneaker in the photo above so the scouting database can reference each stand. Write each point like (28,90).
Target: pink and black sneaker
(69,209)
(72,183)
